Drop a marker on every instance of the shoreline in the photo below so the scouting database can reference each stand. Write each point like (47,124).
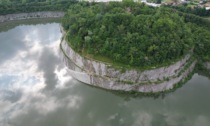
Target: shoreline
(101,75)
(32,15)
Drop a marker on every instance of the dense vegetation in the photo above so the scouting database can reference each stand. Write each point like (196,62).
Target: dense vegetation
(133,33)
(200,11)
(154,1)
(125,32)
(18,6)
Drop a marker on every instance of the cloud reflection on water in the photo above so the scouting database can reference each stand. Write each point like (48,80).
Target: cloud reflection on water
(30,68)
(36,90)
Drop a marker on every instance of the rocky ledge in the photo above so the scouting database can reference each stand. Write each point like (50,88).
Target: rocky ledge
(103,75)
(207,65)
(21,16)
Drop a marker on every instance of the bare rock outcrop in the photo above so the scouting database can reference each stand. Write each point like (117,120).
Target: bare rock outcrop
(103,75)
(21,16)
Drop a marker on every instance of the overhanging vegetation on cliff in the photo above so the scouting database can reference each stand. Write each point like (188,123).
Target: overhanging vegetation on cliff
(134,34)
(131,35)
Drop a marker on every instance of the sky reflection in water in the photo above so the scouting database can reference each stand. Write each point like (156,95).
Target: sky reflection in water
(36,90)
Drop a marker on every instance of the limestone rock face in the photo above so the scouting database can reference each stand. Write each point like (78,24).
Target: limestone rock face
(21,16)
(103,75)
(97,73)
(102,69)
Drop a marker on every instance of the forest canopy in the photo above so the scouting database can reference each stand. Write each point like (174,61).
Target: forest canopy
(127,32)
(19,6)
(132,33)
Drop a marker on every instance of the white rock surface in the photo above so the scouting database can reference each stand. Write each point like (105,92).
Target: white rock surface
(21,16)
(100,74)
(102,69)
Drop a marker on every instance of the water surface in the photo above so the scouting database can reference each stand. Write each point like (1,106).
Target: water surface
(36,89)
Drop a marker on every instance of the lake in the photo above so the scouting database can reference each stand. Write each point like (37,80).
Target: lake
(37,90)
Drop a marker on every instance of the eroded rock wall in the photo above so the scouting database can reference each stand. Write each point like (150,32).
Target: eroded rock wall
(21,16)
(103,75)
(136,76)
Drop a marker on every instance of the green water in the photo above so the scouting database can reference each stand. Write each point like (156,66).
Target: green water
(36,89)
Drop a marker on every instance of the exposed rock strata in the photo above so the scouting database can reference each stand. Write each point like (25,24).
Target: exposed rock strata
(103,75)
(21,16)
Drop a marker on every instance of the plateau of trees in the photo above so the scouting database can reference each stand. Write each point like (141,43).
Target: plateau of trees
(133,33)
(127,32)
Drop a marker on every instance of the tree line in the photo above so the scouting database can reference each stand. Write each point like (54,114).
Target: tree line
(134,33)
(127,32)
(200,11)
(19,6)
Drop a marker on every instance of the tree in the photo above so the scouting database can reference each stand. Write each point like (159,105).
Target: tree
(5,2)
